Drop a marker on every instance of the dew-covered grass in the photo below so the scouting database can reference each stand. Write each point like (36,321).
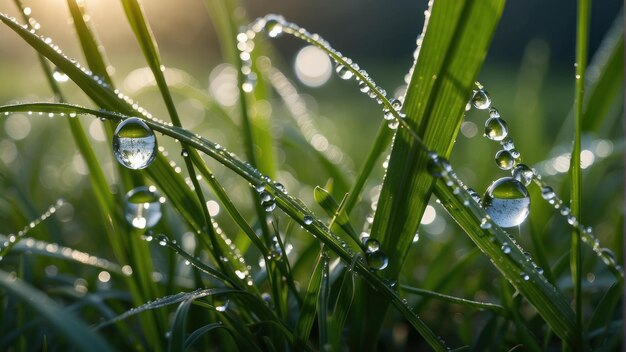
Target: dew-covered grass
(253,205)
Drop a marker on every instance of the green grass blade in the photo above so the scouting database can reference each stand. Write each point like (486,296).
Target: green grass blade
(605,75)
(605,310)
(194,336)
(341,308)
(435,101)
(514,266)
(177,332)
(496,308)
(333,209)
(582,43)
(66,324)
(309,305)
(293,207)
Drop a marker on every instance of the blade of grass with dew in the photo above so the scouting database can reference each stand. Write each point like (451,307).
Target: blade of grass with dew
(496,308)
(72,328)
(514,266)
(511,303)
(341,308)
(582,43)
(456,38)
(293,207)
(311,298)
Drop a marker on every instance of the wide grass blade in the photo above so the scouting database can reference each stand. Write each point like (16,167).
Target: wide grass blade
(434,104)
(66,324)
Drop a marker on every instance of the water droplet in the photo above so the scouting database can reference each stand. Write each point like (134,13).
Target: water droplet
(363,87)
(393,124)
(142,208)
(525,276)
(308,220)
(523,174)
(388,115)
(343,72)
(507,202)
(485,224)
(221,305)
(437,166)
(377,260)
(134,144)
(505,160)
(608,257)
(547,193)
(372,245)
(481,100)
(184,153)
(496,129)
(59,76)
(267,202)
(280,187)
(475,196)
(249,82)
(506,249)
(274,25)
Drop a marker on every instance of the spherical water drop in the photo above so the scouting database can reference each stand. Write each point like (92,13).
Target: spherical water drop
(267,202)
(481,100)
(134,144)
(547,193)
(523,174)
(506,249)
(475,196)
(142,208)
(393,124)
(343,72)
(377,260)
(388,115)
(274,25)
(363,87)
(184,153)
(496,129)
(372,245)
(525,276)
(396,104)
(308,220)
(505,160)
(249,82)
(507,202)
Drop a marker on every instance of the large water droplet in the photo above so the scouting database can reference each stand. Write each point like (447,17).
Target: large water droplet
(308,219)
(372,245)
(496,129)
(507,202)
(547,193)
(134,144)
(343,72)
(267,202)
(377,260)
(481,100)
(274,25)
(142,207)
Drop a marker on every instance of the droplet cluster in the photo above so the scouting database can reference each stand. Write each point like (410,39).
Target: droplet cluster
(509,158)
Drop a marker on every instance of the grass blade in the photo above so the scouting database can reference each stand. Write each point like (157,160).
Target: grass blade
(66,324)
(309,305)
(582,43)
(177,337)
(456,300)
(435,101)
(194,336)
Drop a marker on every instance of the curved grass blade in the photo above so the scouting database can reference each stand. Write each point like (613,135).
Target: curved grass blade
(309,305)
(177,337)
(194,336)
(293,207)
(341,308)
(66,324)
(496,308)
(434,104)
(514,265)
(336,211)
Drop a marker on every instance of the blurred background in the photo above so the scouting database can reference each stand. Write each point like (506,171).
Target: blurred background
(529,72)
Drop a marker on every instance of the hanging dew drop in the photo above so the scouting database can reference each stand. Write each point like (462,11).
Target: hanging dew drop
(507,202)
(59,76)
(134,144)
(372,245)
(505,160)
(547,193)
(437,166)
(608,257)
(506,249)
(308,220)
(343,72)
(523,174)
(274,25)
(142,208)
(393,124)
(496,129)
(363,87)
(377,260)
(481,100)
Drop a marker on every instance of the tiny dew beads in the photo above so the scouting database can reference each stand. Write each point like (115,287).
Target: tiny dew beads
(509,158)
